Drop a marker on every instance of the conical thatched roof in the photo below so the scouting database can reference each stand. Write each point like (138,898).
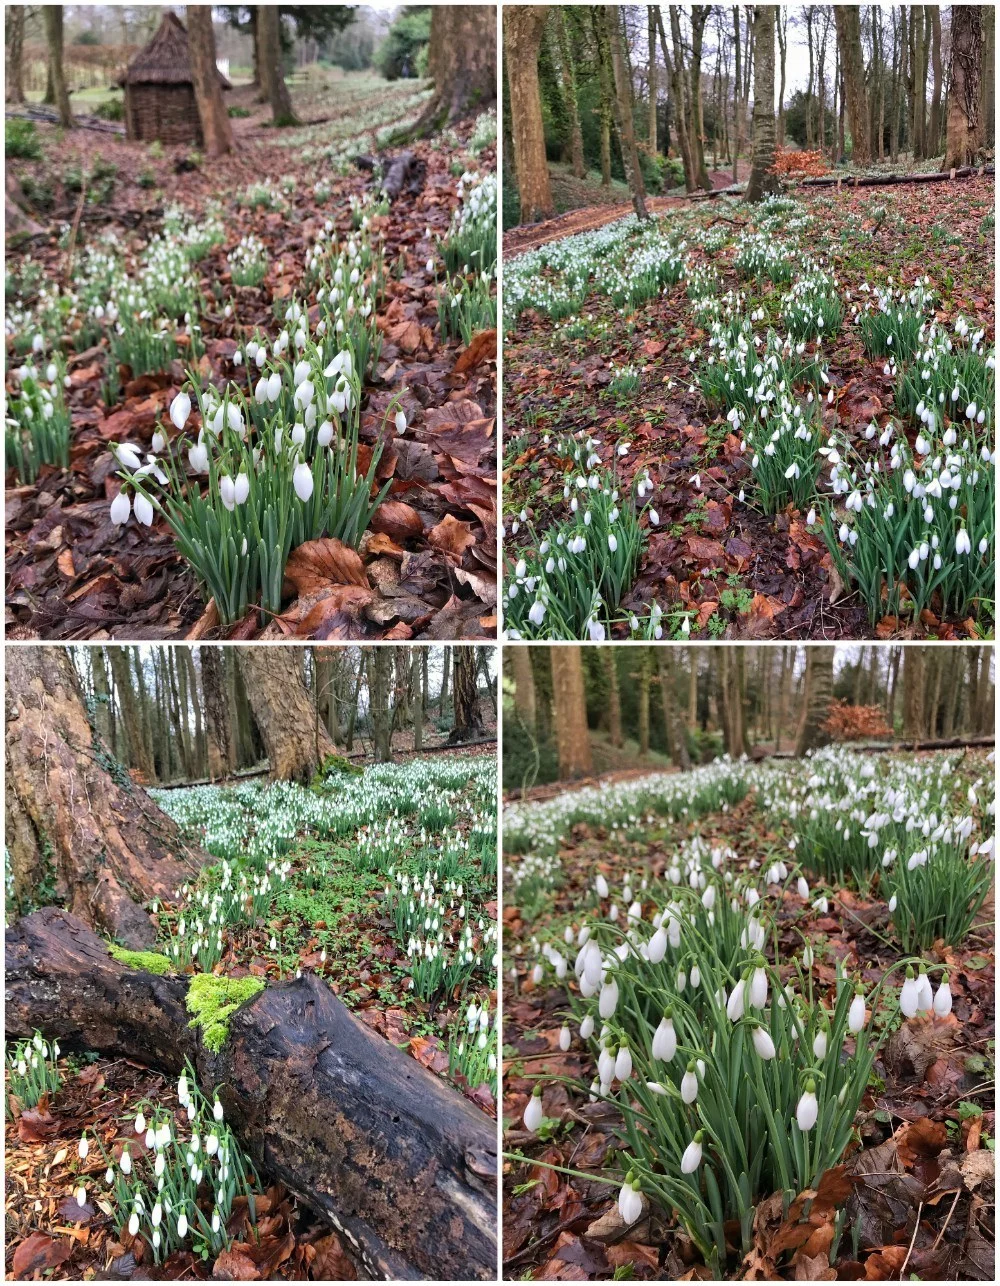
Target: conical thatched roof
(166,60)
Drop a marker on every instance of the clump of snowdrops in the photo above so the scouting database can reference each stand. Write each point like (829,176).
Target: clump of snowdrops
(281,464)
(736,1072)
(179,1189)
(571,584)
(919,528)
(37,425)
(472,1047)
(32,1071)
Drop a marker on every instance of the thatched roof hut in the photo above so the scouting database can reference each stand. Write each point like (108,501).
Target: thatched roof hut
(159,92)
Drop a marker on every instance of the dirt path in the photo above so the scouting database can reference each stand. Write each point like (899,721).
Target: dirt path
(533,235)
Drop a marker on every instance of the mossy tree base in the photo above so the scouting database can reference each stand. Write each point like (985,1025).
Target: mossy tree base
(397,1161)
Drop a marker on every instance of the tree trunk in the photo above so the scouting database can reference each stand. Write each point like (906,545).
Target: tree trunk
(102,698)
(216,128)
(14,32)
(762,178)
(782,33)
(642,695)
(295,744)
(817,694)
(934,148)
(614,699)
(988,106)
(416,691)
(79,831)
(121,670)
(699,16)
(918,123)
(379,663)
(737,115)
(272,78)
(524,686)
(653,78)
(468,721)
(676,734)
(571,95)
(570,711)
(523,26)
(462,63)
(52,16)
(965,121)
(914,684)
(623,110)
(445,669)
(848,20)
(312,1093)
(681,96)
(221,743)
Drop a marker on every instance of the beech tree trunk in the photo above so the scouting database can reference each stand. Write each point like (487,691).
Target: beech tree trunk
(965,121)
(468,719)
(848,20)
(622,101)
(462,63)
(14,32)
(570,713)
(817,693)
(934,136)
(523,26)
(272,80)
(614,700)
(296,743)
(216,128)
(52,16)
(762,178)
(397,1161)
(675,729)
(78,834)
(571,95)
(524,686)
(221,741)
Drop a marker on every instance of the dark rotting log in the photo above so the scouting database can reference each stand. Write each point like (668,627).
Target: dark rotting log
(398,1162)
(404,172)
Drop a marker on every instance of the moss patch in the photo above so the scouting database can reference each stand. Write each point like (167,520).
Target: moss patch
(147,961)
(213,1000)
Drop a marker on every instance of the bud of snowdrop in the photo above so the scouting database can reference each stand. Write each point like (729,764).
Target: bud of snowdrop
(942,1000)
(565,1038)
(665,1039)
(691,1159)
(126,1161)
(735,1003)
(908,1001)
(140,1124)
(630,1199)
(400,423)
(133,1223)
(856,1013)
(109,1175)
(302,481)
(758,988)
(182,1227)
(925,997)
(623,1061)
(819,1044)
(807,1111)
(689,1084)
(608,1000)
(587,1027)
(81,1195)
(763,1043)
(601,885)
(533,1113)
(83,1147)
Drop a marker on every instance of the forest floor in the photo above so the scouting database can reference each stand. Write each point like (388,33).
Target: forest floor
(428,560)
(583,363)
(921,1161)
(332,912)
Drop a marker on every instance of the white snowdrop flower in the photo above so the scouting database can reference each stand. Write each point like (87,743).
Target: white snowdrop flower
(143,509)
(534,1113)
(302,481)
(612,542)
(273,386)
(81,1195)
(807,1111)
(601,886)
(133,1223)
(126,1162)
(109,1175)
(608,999)
(735,1003)
(665,1040)
(758,988)
(942,998)
(691,1159)
(963,545)
(182,1226)
(587,1027)
(908,999)
(856,1014)
(630,1203)
(763,1043)
(180,409)
(925,997)
(121,507)
(689,1085)
(140,1124)
(83,1147)
(819,1045)
(536,612)
(565,1038)
(400,422)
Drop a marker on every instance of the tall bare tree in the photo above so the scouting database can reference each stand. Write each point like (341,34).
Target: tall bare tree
(848,20)
(763,180)
(296,743)
(216,128)
(570,703)
(272,78)
(14,51)
(523,28)
(462,63)
(965,103)
(611,49)
(52,17)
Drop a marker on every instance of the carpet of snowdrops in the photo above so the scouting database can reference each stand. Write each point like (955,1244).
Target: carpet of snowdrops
(242,373)
(727,976)
(384,882)
(743,423)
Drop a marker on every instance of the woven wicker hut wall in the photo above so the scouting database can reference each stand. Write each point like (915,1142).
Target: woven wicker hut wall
(160,102)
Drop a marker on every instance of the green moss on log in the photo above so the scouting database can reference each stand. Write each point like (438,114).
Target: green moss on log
(147,961)
(213,1000)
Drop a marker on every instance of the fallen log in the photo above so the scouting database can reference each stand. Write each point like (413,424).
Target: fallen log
(887,180)
(403,172)
(394,1159)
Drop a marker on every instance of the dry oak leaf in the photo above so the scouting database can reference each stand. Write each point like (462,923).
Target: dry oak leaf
(397,521)
(37,1253)
(814,1268)
(452,537)
(483,348)
(327,561)
(332,1263)
(233,1266)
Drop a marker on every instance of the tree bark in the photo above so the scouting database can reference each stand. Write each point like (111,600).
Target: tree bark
(934,133)
(848,20)
(416,691)
(699,16)
(653,77)
(965,121)
(468,720)
(763,180)
(614,699)
(523,26)
(221,743)
(570,94)
(462,63)
(79,832)
(14,50)
(988,106)
(524,686)
(570,710)
(781,28)
(272,79)
(52,16)
(382,1149)
(817,693)
(295,744)
(216,127)
(676,734)
(623,110)
(135,743)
